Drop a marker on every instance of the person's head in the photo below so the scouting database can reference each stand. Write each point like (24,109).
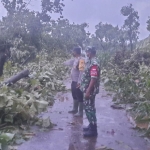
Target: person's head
(90,52)
(76,52)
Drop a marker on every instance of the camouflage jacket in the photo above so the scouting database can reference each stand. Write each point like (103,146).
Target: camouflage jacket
(86,77)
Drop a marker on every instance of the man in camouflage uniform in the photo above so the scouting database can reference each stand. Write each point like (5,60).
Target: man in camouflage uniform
(90,87)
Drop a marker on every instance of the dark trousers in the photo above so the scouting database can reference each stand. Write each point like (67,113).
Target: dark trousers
(76,92)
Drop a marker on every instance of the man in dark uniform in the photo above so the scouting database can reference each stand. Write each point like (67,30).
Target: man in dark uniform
(90,87)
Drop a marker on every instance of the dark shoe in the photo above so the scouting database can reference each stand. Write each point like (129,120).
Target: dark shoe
(91,132)
(87,128)
(75,107)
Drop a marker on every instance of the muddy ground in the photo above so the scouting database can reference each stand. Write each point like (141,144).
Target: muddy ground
(114,129)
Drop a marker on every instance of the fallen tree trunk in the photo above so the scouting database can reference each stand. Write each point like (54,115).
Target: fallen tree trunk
(17,77)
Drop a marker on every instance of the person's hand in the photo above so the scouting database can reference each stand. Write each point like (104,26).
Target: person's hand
(78,85)
(87,94)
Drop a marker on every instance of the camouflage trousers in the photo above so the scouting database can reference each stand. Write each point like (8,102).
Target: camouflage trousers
(90,111)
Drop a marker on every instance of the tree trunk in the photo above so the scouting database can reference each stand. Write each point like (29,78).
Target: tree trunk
(131,44)
(130,38)
(17,77)
(2,62)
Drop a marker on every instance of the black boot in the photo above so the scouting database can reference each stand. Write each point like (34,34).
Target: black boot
(87,128)
(91,132)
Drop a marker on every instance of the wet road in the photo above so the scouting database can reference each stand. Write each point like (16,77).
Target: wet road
(114,129)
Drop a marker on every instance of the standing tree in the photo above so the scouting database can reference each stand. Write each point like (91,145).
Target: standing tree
(148,24)
(107,36)
(50,6)
(24,27)
(131,24)
(61,34)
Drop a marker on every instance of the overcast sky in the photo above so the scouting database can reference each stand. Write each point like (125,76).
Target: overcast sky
(95,11)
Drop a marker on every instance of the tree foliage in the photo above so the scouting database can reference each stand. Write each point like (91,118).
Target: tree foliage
(148,24)
(131,24)
(30,31)
(48,7)
(109,37)
(14,6)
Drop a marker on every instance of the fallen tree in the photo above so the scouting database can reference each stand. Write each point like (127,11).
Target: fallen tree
(21,102)
(130,80)
(17,77)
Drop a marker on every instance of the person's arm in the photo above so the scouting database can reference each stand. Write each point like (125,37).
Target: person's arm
(94,75)
(69,62)
(91,86)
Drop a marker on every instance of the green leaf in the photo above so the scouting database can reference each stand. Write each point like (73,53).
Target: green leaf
(6,137)
(3,100)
